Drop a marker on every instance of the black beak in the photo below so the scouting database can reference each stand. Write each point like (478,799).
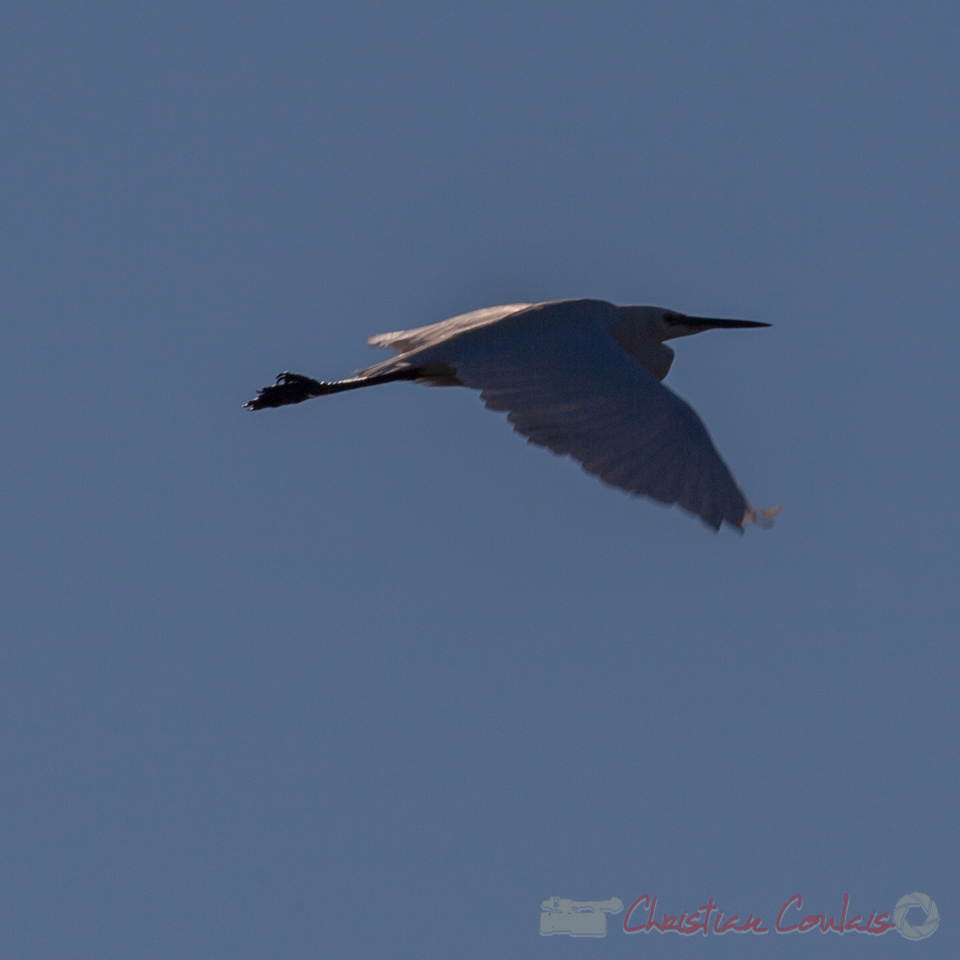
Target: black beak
(709,323)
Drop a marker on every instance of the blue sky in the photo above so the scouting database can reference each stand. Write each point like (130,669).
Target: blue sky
(370,676)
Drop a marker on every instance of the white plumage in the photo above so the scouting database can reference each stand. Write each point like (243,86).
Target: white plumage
(581,377)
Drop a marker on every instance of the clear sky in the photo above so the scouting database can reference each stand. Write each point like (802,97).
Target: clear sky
(371,677)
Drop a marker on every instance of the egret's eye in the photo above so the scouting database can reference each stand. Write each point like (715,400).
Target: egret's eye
(674,319)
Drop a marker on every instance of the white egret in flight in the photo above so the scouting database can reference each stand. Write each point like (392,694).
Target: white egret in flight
(581,377)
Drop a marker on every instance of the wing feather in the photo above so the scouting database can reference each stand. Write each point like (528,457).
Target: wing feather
(572,388)
(404,341)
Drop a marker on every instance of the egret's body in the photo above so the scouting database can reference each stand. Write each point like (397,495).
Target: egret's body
(581,377)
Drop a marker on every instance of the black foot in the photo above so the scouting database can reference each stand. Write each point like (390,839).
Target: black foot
(289,388)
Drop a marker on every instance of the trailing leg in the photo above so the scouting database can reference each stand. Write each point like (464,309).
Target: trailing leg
(295,388)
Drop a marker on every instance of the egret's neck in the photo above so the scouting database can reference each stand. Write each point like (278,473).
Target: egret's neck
(640,337)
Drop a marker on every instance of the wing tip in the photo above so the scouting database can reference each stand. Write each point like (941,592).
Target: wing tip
(762,518)
(387,340)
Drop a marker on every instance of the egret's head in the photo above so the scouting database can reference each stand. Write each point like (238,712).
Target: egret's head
(669,324)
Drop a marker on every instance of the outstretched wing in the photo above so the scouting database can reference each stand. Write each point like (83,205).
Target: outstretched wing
(574,389)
